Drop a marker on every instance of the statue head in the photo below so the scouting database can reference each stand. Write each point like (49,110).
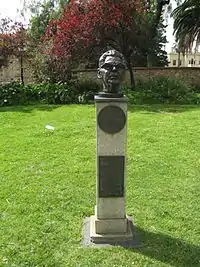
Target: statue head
(111,70)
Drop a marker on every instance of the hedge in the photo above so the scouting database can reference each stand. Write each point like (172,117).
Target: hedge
(157,90)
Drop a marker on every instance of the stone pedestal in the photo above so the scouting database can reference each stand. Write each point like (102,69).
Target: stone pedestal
(110,223)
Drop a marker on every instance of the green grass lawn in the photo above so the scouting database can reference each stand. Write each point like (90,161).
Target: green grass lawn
(47,186)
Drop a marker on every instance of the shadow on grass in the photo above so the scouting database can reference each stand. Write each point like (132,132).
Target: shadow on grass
(162,108)
(167,249)
(29,108)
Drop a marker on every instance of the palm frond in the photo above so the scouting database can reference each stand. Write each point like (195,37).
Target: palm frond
(187,22)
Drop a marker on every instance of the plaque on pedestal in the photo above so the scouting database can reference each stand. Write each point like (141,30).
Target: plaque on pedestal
(111,176)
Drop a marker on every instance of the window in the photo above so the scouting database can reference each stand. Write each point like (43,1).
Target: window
(192,61)
(180,62)
(174,62)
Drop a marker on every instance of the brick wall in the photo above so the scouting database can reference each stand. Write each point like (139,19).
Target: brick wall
(11,72)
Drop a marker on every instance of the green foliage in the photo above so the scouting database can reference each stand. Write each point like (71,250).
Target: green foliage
(157,56)
(87,90)
(45,68)
(13,94)
(66,93)
(151,37)
(40,21)
(86,86)
(187,24)
(50,69)
(150,50)
(162,90)
(156,90)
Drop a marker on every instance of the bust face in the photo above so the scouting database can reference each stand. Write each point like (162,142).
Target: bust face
(112,73)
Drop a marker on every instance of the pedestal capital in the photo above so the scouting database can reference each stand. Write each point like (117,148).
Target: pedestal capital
(101,99)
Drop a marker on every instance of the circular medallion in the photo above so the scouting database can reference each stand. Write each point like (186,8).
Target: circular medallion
(111,119)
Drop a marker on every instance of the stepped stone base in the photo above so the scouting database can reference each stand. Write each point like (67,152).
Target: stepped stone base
(129,239)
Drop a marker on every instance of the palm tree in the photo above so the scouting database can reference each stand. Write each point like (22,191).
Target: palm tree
(182,46)
(187,23)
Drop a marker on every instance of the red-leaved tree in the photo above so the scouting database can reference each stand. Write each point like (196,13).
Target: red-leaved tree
(86,26)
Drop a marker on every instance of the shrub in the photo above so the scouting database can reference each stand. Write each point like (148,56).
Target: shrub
(157,90)
(12,94)
(48,68)
(162,90)
(87,89)
(65,93)
(86,86)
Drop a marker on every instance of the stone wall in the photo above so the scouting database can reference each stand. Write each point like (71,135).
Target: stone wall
(191,75)
(11,72)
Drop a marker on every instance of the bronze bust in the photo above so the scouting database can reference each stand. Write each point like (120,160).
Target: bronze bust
(111,70)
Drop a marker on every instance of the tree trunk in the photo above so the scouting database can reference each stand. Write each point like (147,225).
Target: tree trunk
(149,61)
(132,79)
(179,59)
(183,53)
(21,69)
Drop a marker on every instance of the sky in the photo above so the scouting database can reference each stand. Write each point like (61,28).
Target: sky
(8,8)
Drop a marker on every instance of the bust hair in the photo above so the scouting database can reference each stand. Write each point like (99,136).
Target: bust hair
(111,53)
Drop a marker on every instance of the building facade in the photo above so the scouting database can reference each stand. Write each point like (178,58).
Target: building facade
(187,60)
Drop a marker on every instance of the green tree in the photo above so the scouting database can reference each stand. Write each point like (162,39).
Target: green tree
(157,56)
(43,66)
(154,32)
(40,21)
(187,23)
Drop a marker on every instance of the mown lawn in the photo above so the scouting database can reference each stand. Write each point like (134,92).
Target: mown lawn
(47,186)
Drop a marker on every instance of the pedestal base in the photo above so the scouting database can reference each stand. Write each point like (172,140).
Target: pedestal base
(108,226)
(129,239)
